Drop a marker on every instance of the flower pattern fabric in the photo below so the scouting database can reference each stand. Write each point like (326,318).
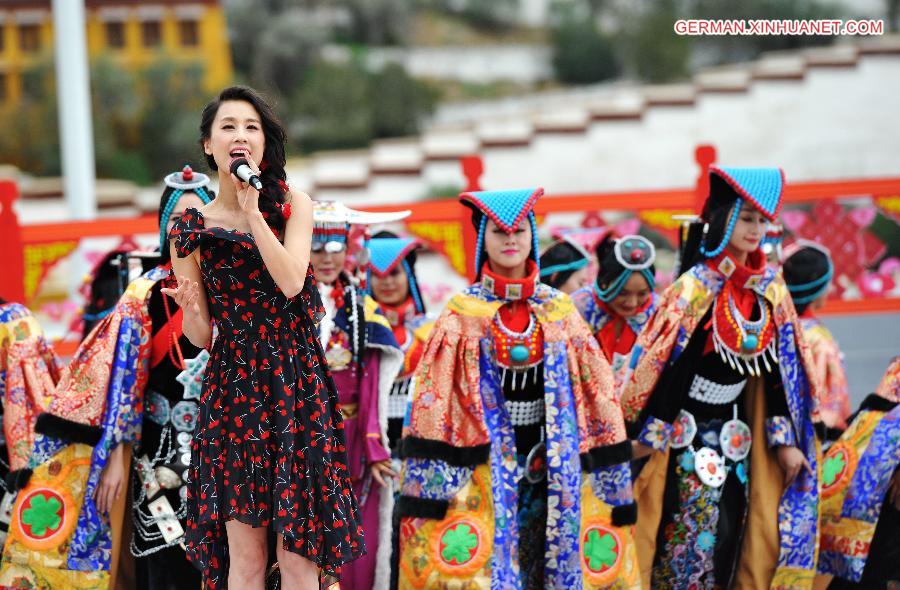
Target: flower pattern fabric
(270,450)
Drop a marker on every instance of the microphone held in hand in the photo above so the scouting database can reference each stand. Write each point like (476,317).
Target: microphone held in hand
(241,169)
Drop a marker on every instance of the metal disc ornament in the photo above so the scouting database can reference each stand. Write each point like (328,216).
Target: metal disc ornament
(685,429)
(710,467)
(735,439)
(536,463)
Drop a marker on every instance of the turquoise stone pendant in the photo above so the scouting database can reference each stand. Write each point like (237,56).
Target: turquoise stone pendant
(519,353)
(750,343)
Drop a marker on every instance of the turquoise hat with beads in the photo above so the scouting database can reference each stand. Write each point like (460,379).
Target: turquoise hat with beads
(386,254)
(760,187)
(183,181)
(506,208)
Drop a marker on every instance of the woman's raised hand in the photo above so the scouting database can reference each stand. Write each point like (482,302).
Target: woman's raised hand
(187,295)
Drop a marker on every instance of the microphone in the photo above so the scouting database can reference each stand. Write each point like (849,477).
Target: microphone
(241,169)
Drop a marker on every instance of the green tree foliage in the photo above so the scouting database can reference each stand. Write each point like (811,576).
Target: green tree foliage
(398,102)
(655,53)
(30,139)
(377,22)
(488,15)
(582,54)
(332,109)
(344,106)
(146,123)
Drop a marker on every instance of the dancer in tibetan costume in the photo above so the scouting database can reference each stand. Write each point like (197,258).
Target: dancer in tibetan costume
(722,398)
(73,504)
(808,271)
(364,359)
(268,457)
(392,283)
(515,471)
(861,495)
(622,299)
(160,461)
(564,266)
(29,370)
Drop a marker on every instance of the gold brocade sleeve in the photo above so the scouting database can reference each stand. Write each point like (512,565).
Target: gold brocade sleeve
(593,388)
(446,403)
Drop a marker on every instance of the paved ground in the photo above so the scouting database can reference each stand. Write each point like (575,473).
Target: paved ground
(868,343)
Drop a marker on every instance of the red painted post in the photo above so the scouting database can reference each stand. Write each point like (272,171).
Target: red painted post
(705,156)
(473,168)
(12,253)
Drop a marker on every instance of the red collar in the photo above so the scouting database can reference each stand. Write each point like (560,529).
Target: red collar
(510,289)
(397,314)
(744,276)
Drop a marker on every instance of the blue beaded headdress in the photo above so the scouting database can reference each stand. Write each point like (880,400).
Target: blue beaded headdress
(580,260)
(761,187)
(807,292)
(507,209)
(184,181)
(385,254)
(635,254)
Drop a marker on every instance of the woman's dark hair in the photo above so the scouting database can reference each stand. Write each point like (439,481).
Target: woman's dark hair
(106,286)
(562,252)
(164,253)
(806,266)
(272,174)
(610,267)
(715,213)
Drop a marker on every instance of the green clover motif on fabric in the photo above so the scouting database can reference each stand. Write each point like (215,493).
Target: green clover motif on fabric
(459,543)
(42,514)
(600,550)
(833,466)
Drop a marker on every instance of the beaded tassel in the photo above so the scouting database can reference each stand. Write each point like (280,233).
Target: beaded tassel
(534,241)
(479,245)
(164,219)
(730,229)
(413,287)
(355,321)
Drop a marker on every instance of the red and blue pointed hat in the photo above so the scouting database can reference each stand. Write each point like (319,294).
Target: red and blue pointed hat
(386,254)
(761,187)
(507,209)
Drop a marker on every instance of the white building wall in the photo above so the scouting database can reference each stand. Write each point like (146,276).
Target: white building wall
(835,123)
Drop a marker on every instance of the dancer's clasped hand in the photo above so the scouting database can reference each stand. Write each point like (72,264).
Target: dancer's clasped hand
(382,472)
(792,461)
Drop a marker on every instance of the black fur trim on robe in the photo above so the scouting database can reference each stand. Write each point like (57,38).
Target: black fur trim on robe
(625,514)
(423,448)
(412,507)
(67,430)
(605,456)
(18,479)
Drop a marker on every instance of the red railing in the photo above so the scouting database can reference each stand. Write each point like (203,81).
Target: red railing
(829,211)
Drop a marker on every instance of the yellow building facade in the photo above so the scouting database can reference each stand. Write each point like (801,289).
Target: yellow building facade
(131,33)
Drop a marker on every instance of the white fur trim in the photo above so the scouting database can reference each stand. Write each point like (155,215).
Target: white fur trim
(389,366)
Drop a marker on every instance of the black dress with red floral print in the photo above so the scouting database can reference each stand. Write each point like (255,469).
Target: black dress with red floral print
(269,447)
